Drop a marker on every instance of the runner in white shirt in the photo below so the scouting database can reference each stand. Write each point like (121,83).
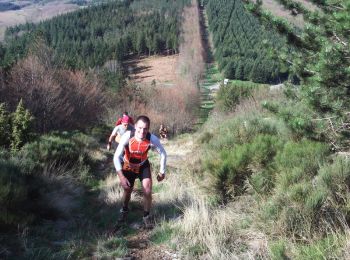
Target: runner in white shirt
(118,131)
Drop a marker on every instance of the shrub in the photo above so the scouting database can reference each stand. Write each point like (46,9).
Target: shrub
(228,131)
(298,117)
(49,149)
(300,160)
(311,193)
(100,132)
(235,166)
(229,96)
(334,178)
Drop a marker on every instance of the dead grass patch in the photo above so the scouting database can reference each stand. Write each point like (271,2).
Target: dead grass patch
(279,10)
(160,69)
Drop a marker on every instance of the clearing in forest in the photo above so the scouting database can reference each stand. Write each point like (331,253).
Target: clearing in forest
(162,69)
(280,11)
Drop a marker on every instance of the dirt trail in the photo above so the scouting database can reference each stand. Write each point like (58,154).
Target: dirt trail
(138,239)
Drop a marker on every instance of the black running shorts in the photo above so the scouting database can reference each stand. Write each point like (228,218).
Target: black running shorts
(145,172)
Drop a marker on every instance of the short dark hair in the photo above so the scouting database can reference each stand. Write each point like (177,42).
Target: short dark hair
(144,119)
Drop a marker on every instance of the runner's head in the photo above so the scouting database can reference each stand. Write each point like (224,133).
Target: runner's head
(142,127)
(125,121)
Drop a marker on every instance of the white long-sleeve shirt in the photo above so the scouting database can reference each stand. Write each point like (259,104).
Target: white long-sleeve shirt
(155,143)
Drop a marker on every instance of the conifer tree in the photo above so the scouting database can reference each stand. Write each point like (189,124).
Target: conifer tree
(21,123)
(4,125)
(323,64)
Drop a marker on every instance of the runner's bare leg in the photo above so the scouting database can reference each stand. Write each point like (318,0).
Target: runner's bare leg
(126,197)
(147,194)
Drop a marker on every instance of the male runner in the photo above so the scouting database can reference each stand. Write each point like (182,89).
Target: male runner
(136,145)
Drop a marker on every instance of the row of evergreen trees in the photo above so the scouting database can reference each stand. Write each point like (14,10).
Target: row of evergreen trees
(91,36)
(242,46)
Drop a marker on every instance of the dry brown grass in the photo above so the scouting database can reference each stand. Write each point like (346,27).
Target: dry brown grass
(161,69)
(215,231)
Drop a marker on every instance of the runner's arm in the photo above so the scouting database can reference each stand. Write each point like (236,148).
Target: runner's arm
(156,142)
(113,134)
(119,151)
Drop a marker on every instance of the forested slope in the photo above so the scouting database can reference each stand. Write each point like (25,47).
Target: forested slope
(92,36)
(243,48)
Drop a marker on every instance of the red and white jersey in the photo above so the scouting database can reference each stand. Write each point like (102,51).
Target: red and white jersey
(136,150)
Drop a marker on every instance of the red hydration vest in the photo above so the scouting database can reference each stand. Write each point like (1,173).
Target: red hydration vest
(136,152)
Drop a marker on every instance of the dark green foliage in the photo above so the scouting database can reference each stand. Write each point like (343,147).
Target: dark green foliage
(298,117)
(5,128)
(49,149)
(21,121)
(279,24)
(300,161)
(242,46)
(298,199)
(229,95)
(235,166)
(100,133)
(326,76)
(113,30)
(15,128)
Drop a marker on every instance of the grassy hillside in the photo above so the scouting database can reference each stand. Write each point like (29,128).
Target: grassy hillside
(267,176)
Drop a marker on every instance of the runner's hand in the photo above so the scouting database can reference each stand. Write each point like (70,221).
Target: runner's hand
(108,147)
(125,183)
(160,177)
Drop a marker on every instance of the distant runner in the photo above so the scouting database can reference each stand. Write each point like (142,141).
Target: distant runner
(119,121)
(118,131)
(136,145)
(163,132)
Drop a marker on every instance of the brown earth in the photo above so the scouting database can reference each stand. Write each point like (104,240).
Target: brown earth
(162,69)
(280,11)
